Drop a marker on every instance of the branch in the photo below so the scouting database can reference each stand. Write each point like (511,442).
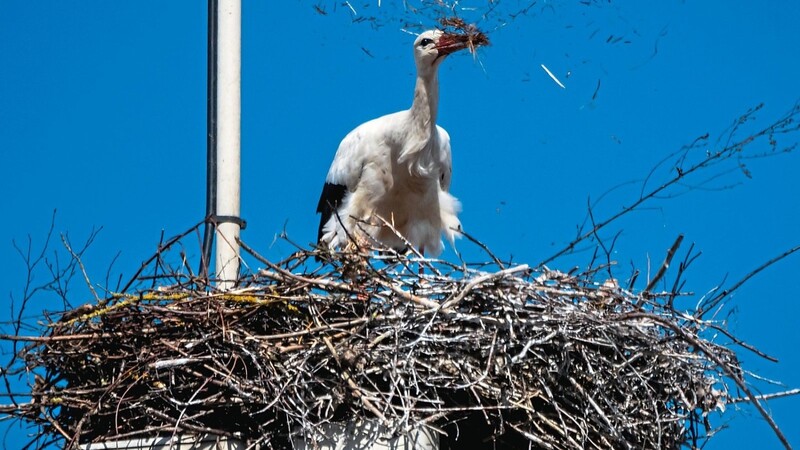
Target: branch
(785,124)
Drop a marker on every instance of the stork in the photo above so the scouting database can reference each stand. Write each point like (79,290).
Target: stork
(390,178)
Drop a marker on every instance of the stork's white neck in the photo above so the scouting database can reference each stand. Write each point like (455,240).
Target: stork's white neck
(426,100)
(419,143)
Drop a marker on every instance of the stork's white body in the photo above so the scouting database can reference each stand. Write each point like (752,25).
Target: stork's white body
(410,193)
(396,168)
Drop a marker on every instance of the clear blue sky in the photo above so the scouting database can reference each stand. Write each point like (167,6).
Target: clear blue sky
(102,116)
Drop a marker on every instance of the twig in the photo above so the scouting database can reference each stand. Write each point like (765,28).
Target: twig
(789,393)
(716,299)
(665,265)
(484,247)
(480,280)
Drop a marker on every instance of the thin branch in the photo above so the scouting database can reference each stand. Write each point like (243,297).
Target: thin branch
(665,265)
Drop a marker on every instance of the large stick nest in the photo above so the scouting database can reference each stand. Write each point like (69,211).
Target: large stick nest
(506,357)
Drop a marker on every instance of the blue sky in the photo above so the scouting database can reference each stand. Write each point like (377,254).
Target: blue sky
(103,118)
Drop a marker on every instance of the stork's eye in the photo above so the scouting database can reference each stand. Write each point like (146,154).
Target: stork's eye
(425,42)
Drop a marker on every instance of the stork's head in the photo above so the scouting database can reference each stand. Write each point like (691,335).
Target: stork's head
(432,46)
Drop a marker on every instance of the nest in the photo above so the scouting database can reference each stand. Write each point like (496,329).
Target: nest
(503,358)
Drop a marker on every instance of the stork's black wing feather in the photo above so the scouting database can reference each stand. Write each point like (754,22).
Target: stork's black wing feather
(329,201)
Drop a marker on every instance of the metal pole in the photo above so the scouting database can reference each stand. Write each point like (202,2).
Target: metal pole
(229,62)
(211,140)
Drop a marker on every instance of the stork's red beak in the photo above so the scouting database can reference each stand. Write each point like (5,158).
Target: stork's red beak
(450,43)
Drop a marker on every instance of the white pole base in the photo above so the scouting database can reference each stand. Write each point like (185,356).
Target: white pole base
(366,435)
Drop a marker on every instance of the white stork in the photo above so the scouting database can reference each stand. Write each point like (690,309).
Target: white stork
(396,167)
